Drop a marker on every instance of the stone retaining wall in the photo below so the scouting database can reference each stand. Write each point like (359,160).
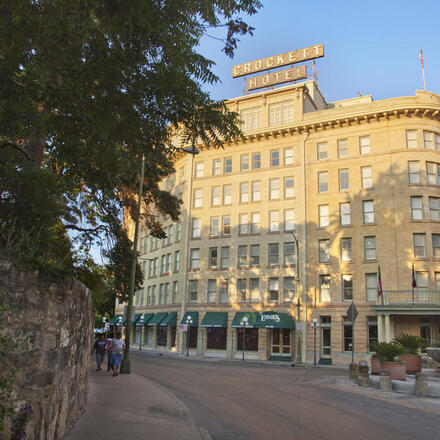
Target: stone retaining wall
(56,322)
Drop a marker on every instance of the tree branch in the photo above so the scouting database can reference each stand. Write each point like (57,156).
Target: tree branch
(16,147)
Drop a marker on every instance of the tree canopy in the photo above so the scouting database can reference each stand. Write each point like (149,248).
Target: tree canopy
(88,87)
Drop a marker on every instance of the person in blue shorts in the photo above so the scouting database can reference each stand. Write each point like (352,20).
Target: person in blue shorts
(117,347)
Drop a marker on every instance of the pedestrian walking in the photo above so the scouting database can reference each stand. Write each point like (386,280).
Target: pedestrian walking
(99,348)
(117,347)
(109,353)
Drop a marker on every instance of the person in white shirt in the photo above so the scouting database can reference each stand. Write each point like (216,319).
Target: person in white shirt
(117,347)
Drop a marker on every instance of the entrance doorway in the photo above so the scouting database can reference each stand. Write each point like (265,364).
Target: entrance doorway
(281,342)
(425,332)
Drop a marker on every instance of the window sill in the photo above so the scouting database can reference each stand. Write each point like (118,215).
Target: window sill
(419,221)
(368,189)
(346,226)
(369,261)
(369,224)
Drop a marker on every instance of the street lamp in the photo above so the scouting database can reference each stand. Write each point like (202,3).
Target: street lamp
(105,328)
(141,324)
(244,323)
(189,321)
(314,324)
(120,323)
(298,304)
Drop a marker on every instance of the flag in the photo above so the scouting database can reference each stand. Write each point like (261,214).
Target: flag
(379,283)
(413,280)
(421,58)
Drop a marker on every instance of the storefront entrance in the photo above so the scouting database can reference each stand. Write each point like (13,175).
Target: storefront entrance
(281,342)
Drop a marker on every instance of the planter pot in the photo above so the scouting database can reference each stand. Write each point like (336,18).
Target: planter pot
(397,369)
(375,365)
(413,362)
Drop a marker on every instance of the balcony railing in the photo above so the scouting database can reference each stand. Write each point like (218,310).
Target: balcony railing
(408,297)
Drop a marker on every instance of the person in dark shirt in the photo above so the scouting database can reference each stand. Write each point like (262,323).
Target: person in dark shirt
(99,348)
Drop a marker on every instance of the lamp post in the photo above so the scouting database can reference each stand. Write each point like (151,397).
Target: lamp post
(105,328)
(244,323)
(189,321)
(298,304)
(314,324)
(141,325)
(120,324)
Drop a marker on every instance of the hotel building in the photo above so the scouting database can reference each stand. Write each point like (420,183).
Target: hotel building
(356,183)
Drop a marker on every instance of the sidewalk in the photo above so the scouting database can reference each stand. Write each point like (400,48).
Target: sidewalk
(132,407)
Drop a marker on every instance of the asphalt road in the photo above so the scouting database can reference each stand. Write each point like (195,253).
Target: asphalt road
(237,402)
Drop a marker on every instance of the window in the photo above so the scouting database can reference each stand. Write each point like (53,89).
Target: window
(256,191)
(244,192)
(216,338)
(437,141)
(345,214)
(323,181)
(241,289)
(255,223)
(419,245)
(348,334)
(324,219)
(342,147)
(274,189)
(322,152)
(243,227)
(162,264)
(215,196)
(194,259)
(281,113)
(416,207)
(254,290)
(324,251)
(256,161)
(244,163)
(367,177)
(274,286)
(368,211)
(251,119)
(372,333)
(226,225)
(347,287)
(216,167)
(274,221)
(224,256)
(255,255)
(213,254)
(364,145)
(289,189)
(433,173)
(436,245)
(192,291)
(250,339)
(166,293)
(289,254)
(170,234)
(153,295)
(178,231)
(346,250)
(197,202)
(422,280)
(175,288)
(428,139)
(155,266)
(199,168)
(228,165)
(370,248)
(242,256)
(371,286)
(289,289)
(413,172)
(434,208)
(289,220)
(275,158)
(195,228)
(214,227)
(274,254)
(168,264)
(211,293)
(288,156)
(223,291)
(227,197)
(324,288)
(343,180)
(437,280)
(411,138)
(161,336)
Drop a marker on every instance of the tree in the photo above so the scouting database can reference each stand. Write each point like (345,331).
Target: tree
(90,87)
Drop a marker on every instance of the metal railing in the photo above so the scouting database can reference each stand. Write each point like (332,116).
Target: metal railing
(418,296)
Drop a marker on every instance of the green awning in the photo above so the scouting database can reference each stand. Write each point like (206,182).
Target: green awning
(157,318)
(147,317)
(274,320)
(136,318)
(251,316)
(215,319)
(171,319)
(115,319)
(194,318)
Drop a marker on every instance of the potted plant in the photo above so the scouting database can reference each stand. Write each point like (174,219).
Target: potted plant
(387,353)
(411,345)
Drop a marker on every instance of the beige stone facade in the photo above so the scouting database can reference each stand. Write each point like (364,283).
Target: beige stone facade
(357,182)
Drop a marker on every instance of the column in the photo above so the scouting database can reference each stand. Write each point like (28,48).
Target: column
(229,341)
(380,328)
(200,341)
(387,328)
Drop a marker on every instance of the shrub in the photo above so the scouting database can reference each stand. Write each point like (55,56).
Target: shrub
(387,351)
(410,343)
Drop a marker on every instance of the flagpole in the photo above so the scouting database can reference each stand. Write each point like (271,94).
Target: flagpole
(423,68)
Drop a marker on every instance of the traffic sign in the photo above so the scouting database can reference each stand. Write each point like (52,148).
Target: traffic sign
(183,327)
(352,312)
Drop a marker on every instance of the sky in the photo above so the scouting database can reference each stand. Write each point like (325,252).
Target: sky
(371,46)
